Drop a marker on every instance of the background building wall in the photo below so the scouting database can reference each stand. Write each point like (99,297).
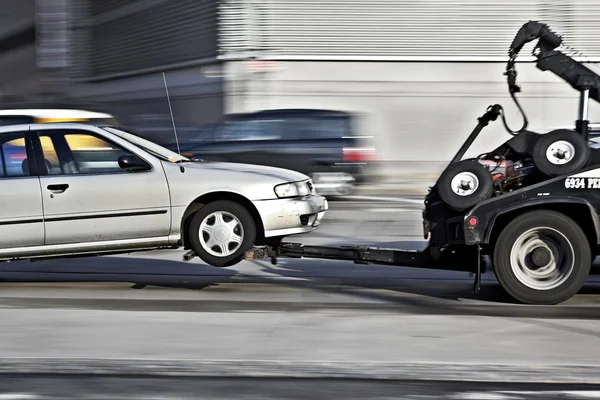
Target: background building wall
(121,50)
(18,70)
(419,113)
(420,72)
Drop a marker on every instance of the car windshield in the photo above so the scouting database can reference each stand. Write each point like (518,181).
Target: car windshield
(147,145)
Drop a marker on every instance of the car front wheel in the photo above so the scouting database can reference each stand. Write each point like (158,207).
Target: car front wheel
(220,233)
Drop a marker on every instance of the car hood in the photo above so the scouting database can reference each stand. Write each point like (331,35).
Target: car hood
(284,175)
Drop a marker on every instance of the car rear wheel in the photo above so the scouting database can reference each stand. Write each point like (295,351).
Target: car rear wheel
(221,232)
(542,257)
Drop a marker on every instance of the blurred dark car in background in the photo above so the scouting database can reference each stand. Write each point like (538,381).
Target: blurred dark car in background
(323,144)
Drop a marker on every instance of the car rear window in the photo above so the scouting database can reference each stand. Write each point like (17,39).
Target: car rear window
(14,153)
(307,127)
(251,129)
(325,127)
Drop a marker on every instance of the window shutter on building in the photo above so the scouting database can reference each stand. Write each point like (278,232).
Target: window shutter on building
(414,30)
(135,35)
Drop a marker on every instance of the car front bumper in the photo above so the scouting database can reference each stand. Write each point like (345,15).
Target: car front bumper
(284,217)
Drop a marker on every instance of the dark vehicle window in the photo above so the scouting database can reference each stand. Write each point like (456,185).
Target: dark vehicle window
(15,120)
(313,127)
(13,156)
(257,129)
(75,152)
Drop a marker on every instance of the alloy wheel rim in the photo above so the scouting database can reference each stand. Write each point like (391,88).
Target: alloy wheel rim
(221,234)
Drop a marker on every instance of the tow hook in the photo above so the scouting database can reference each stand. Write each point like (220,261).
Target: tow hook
(189,256)
(260,252)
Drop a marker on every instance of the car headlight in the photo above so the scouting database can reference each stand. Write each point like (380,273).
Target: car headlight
(294,189)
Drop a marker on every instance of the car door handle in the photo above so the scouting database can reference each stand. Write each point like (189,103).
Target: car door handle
(58,188)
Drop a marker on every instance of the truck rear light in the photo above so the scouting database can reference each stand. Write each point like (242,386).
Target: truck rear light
(359,154)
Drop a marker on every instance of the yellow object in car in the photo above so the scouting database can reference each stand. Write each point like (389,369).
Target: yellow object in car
(51,120)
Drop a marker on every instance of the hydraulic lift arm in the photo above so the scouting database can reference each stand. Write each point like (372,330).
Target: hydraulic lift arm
(430,258)
(581,78)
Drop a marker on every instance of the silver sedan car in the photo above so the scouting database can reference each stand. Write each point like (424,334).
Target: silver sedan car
(76,189)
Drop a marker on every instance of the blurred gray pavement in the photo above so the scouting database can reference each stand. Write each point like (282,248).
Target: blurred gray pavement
(299,318)
(401,187)
(75,387)
(67,387)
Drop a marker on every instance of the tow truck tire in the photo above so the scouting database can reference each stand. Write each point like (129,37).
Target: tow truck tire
(561,152)
(465,184)
(221,232)
(542,257)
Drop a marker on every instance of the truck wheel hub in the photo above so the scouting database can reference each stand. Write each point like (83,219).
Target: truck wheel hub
(542,258)
(465,184)
(560,152)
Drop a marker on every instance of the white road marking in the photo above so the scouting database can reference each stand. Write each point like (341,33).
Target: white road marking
(18,396)
(577,394)
(483,396)
(391,210)
(587,394)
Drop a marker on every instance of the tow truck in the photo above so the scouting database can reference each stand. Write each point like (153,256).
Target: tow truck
(528,209)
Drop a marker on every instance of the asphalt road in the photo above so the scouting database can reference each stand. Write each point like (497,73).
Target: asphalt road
(170,388)
(383,224)
(306,318)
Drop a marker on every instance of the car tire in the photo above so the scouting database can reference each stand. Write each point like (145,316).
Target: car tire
(228,227)
(477,177)
(561,152)
(532,279)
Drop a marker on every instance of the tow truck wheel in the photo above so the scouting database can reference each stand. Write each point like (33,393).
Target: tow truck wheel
(561,152)
(465,184)
(221,232)
(542,257)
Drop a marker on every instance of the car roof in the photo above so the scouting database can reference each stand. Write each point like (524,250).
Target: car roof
(53,113)
(42,126)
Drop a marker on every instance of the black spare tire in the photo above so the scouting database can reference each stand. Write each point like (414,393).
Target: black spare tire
(464,184)
(561,152)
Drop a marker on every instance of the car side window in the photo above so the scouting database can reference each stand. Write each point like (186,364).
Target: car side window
(319,127)
(251,129)
(13,156)
(75,152)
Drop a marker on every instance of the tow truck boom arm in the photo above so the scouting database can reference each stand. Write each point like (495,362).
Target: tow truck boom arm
(550,59)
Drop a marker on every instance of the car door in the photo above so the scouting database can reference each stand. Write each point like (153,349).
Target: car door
(21,219)
(87,197)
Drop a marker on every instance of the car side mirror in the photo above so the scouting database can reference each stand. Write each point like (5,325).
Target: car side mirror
(130,162)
